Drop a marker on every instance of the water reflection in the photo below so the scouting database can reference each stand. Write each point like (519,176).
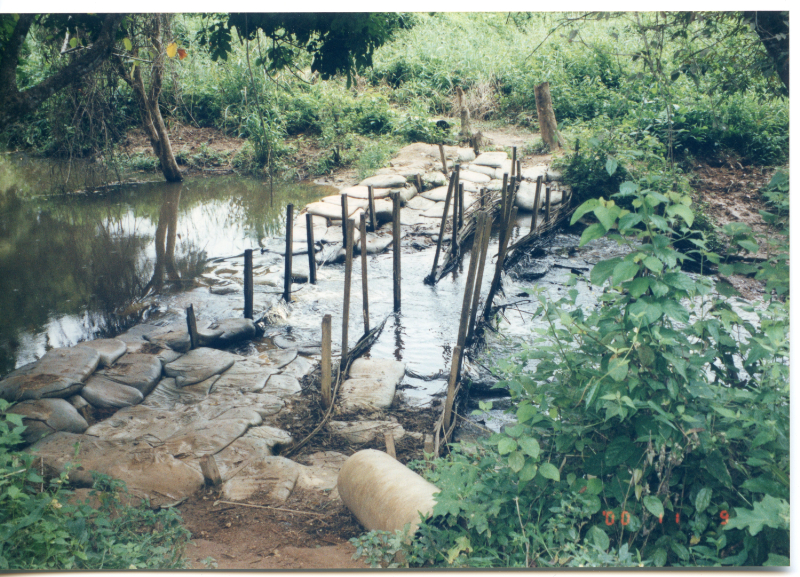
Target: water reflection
(76,266)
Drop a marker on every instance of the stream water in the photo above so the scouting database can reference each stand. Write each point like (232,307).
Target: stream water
(80,266)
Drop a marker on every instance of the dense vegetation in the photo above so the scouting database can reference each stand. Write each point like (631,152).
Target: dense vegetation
(651,430)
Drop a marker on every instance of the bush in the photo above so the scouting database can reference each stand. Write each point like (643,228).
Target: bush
(41,529)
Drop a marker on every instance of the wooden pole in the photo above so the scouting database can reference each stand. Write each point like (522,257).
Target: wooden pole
(547,205)
(419,183)
(326,360)
(348,275)
(503,201)
(482,246)
(451,387)
(482,198)
(364,290)
(396,247)
(389,440)
(312,262)
(371,196)
(442,225)
(519,169)
(444,162)
(208,465)
(287,269)
(248,283)
(535,216)
(191,324)
(463,324)
(501,255)
(513,160)
(454,240)
(460,205)
(345,216)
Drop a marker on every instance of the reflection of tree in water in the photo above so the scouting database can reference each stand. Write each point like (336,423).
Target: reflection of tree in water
(166,234)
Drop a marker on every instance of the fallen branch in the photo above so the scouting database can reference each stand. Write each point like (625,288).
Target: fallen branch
(270,508)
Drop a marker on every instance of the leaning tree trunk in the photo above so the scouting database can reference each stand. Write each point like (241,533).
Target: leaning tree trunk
(547,119)
(152,121)
(466,129)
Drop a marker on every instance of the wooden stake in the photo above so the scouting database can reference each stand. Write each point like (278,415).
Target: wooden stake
(326,360)
(513,160)
(345,216)
(312,262)
(364,290)
(427,447)
(460,205)
(501,255)
(519,169)
(442,226)
(444,162)
(389,445)
(503,201)
(419,183)
(396,247)
(535,216)
(468,288)
(248,283)
(287,268)
(451,387)
(191,324)
(208,465)
(348,274)
(483,247)
(547,205)
(372,221)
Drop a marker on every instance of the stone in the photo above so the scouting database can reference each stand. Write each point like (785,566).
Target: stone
(438,210)
(109,349)
(334,235)
(279,358)
(47,416)
(298,368)
(143,422)
(305,347)
(59,373)
(377,243)
(226,289)
(149,472)
(203,437)
(168,355)
(554,175)
(494,159)
(328,210)
(383,210)
(321,472)
(234,330)
(470,176)
(407,193)
(534,172)
(384,181)
(104,393)
(282,385)
(273,439)
(420,203)
(223,400)
(409,217)
(526,195)
(137,333)
(495,184)
(465,155)
(365,431)
(351,202)
(176,339)
(362,192)
(299,246)
(487,170)
(167,394)
(248,376)
(199,364)
(436,194)
(434,179)
(274,476)
(78,402)
(137,370)
(371,385)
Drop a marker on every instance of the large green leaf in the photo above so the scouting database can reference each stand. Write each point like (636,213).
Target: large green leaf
(771,512)
(602,270)
(530,447)
(620,450)
(587,206)
(683,211)
(716,466)
(598,538)
(653,264)
(624,270)
(591,233)
(611,165)
(618,369)
(653,504)
(506,445)
(549,471)
(516,461)
(703,499)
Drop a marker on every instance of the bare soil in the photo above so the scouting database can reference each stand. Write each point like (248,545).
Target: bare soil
(309,532)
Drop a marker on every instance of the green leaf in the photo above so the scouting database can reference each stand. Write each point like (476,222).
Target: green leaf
(620,450)
(594,486)
(659,558)
(646,355)
(628,188)
(653,504)
(528,472)
(591,233)
(530,447)
(771,512)
(625,270)
(527,412)
(638,286)
(748,245)
(506,445)
(598,537)
(683,211)
(587,206)
(607,215)
(653,264)
(716,466)
(618,369)
(703,499)
(549,471)
(128,44)
(602,270)
(775,560)
(629,221)
(516,461)
(611,165)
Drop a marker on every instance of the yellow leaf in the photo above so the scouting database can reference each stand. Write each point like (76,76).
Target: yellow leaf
(172,50)
(694,540)
(128,44)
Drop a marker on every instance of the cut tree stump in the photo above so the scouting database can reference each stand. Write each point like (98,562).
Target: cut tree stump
(547,118)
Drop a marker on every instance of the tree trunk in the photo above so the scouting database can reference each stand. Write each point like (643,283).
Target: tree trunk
(152,121)
(773,31)
(466,129)
(547,118)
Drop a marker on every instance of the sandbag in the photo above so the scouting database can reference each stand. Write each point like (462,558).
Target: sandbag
(384,494)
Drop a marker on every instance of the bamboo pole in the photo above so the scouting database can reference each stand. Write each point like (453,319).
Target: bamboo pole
(348,274)
(396,247)
(312,262)
(483,246)
(287,269)
(451,386)
(364,290)
(191,325)
(248,283)
(431,277)
(345,215)
(371,196)
(326,360)
(504,238)
(535,216)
